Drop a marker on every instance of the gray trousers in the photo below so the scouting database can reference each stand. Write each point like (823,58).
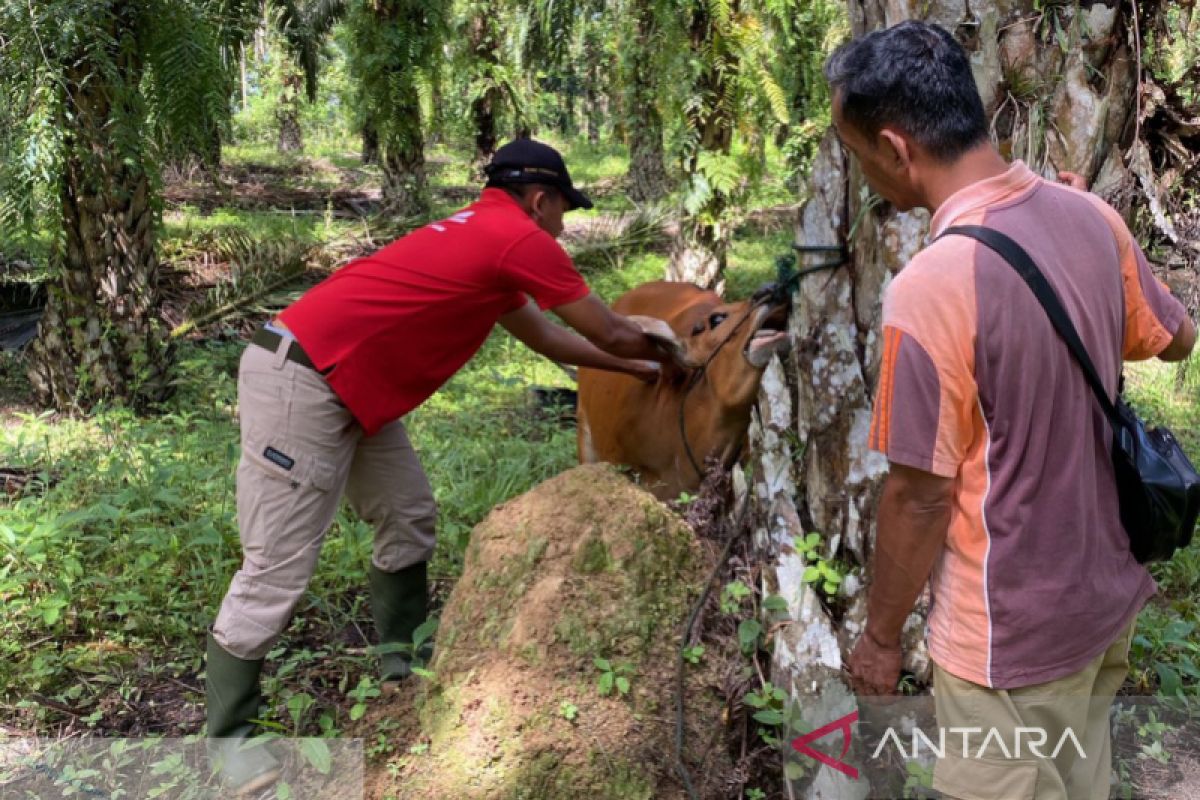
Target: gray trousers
(301,450)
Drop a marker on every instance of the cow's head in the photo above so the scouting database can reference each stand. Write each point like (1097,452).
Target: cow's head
(735,340)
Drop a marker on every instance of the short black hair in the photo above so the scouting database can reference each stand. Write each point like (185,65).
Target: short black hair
(913,76)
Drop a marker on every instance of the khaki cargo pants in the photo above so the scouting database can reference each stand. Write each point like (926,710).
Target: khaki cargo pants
(1080,702)
(301,449)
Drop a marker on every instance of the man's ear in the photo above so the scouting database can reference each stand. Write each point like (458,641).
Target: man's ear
(536,201)
(896,152)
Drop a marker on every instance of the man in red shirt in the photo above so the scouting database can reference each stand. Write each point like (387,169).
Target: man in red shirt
(322,391)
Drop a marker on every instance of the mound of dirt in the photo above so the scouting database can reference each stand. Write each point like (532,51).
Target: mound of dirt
(586,566)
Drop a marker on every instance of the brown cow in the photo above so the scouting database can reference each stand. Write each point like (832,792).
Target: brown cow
(626,421)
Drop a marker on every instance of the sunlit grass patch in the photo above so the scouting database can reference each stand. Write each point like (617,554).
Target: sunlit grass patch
(185,223)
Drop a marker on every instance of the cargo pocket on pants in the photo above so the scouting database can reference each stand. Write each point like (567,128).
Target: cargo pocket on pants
(284,502)
(985,778)
(280,459)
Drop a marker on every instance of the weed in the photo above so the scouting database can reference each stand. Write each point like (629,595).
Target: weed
(821,573)
(732,596)
(612,677)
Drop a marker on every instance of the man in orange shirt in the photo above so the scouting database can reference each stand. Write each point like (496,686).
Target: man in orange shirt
(1001,491)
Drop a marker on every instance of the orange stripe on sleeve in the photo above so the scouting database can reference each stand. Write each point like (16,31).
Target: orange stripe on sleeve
(883,398)
(893,350)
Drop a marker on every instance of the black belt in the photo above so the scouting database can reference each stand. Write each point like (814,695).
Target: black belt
(270,340)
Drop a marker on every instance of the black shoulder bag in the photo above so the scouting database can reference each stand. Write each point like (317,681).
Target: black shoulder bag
(1157,487)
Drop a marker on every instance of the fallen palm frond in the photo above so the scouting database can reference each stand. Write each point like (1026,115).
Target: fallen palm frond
(600,242)
(257,274)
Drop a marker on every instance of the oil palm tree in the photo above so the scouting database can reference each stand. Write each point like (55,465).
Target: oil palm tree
(396,49)
(89,111)
(730,105)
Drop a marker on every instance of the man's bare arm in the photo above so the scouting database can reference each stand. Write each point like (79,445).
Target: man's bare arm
(608,330)
(1181,346)
(544,337)
(914,516)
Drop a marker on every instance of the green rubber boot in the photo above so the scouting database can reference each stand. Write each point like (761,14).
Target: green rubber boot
(233,698)
(399,604)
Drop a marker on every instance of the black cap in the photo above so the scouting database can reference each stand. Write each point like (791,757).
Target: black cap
(529,161)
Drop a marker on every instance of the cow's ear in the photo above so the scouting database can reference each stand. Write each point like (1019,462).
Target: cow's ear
(662,335)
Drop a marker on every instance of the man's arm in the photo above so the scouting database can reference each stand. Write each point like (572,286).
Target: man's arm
(1181,346)
(544,337)
(914,515)
(608,330)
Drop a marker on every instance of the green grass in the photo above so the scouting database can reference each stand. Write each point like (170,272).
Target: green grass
(182,225)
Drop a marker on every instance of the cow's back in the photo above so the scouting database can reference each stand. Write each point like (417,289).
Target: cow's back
(666,300)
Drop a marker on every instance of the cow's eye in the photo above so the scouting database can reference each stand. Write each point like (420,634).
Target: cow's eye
(698,329)
(716,319)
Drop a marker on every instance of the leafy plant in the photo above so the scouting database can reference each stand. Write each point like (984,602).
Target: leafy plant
(749,631)
(366,690)
(918,782)
(769,701)
(819,572)
(612,677)
(732,596)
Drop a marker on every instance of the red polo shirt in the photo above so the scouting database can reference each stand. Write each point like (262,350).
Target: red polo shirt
(394,326)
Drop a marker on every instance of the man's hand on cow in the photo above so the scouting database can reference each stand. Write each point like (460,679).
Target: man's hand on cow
(665,341)
(645,371)
(874,669)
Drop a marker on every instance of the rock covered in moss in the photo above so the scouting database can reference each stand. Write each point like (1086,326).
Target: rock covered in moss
(585,567)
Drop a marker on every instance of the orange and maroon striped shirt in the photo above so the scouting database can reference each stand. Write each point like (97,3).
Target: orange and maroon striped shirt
(1036,577)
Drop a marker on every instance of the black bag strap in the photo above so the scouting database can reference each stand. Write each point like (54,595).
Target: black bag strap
(1020,261)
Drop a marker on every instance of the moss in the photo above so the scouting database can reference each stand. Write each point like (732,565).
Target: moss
(592,556)
(602,778)
(531,654)
(534,553)
(575,633)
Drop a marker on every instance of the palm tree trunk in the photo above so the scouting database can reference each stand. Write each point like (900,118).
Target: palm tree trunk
(648,179)
(370,144)
(245,84)
(647,171)
(101,337)
(483,114)
(699,252)
(405,190)
(291,137)
(485,43)
(823,397)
